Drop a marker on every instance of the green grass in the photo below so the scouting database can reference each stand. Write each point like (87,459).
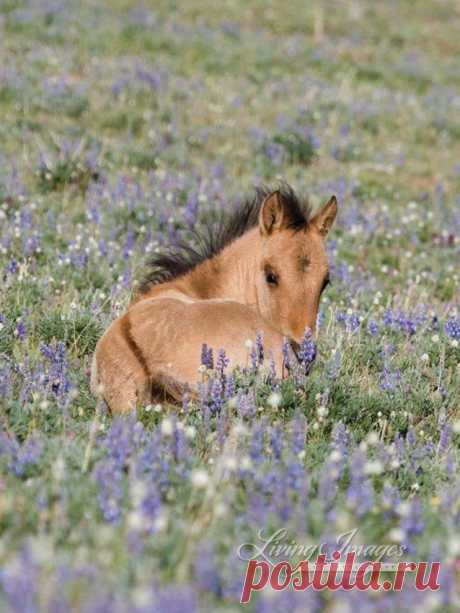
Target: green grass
(114,120)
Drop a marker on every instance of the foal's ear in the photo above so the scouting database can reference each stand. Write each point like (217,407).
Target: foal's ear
(272,214)
(324,219)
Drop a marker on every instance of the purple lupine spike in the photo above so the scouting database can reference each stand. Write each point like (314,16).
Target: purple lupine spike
(21,330)
(452,328)
(307,352)
(222,362)
(257,352)
(444,438)
(340,439)
(373,328)
(286,349)
(246,404)
(215,395)
(360,493)
(206,356)
(230,387)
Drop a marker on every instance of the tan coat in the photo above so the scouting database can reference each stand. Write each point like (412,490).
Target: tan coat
(268,280)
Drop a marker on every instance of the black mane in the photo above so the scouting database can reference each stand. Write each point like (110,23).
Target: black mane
(178,259)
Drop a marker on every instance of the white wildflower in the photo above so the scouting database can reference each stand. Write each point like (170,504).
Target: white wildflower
(199,478)
(134,520)
(245,462)
(142,597)
(220,509)
(335,455)
(396,535)
(373,467)
(161,523)
(373,437)
(59,468)
(231,464)
(274,400)
(167,427)
(190,432)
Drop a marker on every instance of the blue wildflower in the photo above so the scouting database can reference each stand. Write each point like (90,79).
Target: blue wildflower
(307,352)
(206,356)
(452,328)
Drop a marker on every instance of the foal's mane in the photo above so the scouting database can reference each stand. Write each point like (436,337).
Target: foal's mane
(180,258)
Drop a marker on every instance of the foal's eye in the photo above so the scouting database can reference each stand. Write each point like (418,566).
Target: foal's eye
(271,278)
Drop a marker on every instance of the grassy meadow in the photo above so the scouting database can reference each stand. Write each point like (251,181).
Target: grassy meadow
(125,125)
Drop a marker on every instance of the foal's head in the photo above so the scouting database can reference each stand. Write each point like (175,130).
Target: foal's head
(293,268)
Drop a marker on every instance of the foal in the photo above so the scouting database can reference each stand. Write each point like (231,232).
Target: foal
(263,270)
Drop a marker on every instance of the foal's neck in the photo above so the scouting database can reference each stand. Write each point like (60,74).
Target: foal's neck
(230,275)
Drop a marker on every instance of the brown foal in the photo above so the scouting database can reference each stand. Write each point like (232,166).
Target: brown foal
(262,271)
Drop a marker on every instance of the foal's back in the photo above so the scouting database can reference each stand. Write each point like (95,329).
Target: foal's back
(167,334)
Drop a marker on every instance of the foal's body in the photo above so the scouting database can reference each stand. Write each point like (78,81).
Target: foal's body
(175,319)
(165,329)
(154,349)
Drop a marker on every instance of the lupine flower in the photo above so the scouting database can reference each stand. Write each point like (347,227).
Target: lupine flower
(333,365)
(176,599)
(411,523)
(6,382)
(12,267)
(360,493)
(257,352)
(286,353)
(222,362)
(256,446)
(230,388)
(276,442)
(20,457)
(340,439)
(452,328)
(411,439)
(20,583)
(21,330)
(307,352)
(191,210)
(328,481)
(57,379)
(216,395)
(108,476)
(246,404)
(299,429)
(349,320)
(206,356)
(390,499)
(373,328)
(206,570)
(406,322)
(390,379)
(444,438)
